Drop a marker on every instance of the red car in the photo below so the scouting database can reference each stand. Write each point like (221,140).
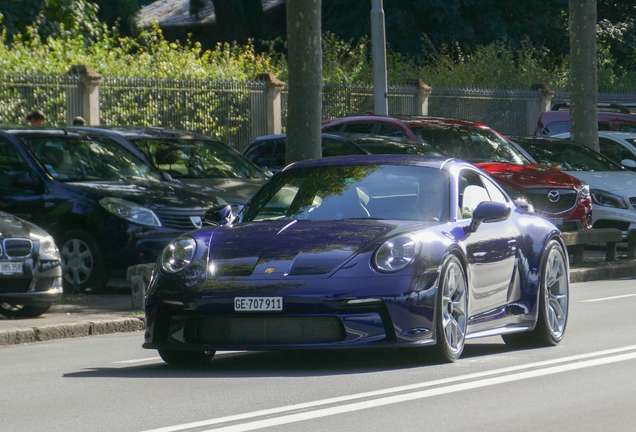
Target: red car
(611,117)
(557,196)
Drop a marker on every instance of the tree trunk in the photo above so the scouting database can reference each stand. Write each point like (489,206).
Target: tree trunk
(304,47)
(583,73)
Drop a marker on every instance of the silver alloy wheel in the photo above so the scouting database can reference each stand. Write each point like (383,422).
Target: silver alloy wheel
(454,308)
(556,292)
(77,261)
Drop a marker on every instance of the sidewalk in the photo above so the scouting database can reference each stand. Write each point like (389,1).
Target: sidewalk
(94,314)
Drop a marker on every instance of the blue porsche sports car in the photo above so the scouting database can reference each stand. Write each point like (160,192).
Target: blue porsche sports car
(353,251)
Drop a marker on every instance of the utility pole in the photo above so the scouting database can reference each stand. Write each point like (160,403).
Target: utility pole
(583,73)
(304,48)
(378,43)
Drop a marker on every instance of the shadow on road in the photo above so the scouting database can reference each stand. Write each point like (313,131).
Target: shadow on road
(299,363)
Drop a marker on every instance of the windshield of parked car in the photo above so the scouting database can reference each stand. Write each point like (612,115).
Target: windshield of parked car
(353,192)
(472,144)
(389,146)
(193,158)
(570,157)
(73,158)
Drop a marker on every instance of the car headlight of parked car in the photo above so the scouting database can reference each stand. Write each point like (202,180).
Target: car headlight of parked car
(585,190)
(396,254)
(178,254)
(607,199)
(130,211)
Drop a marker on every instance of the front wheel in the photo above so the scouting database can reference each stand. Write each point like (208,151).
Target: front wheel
(186,358)
(83,262)
(452,309)
(553,302)
(23,311)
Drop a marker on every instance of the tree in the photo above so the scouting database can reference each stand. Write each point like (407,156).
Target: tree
(118,12)
(236,20)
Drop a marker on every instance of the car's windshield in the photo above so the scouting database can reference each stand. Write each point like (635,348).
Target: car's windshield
(472,144)
(197,158)
(351,192)
(381,147)
(75,158)
(570,157)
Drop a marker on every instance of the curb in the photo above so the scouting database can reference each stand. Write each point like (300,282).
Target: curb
(606,270)
(70,330)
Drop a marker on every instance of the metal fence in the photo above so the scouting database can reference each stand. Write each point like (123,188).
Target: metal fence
(233,112)
(54,94)
(236,112)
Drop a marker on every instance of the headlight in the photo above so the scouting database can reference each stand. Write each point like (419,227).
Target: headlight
(130,211)
(396,254)
(608,199)
(585,190)
(178,254)
(47,246)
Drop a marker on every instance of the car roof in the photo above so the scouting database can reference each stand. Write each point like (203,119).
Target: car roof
(410,120)
(142,132)
(390,159)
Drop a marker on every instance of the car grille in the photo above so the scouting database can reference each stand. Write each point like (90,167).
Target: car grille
(632,201)
(17,248)
(179,219)
(14,286)
(265,330)
(541,201)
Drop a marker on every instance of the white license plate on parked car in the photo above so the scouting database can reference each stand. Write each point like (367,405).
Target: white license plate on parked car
(556,221)
(247,304)
(11,268)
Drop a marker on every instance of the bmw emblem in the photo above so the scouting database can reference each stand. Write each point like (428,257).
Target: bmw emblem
(554,196)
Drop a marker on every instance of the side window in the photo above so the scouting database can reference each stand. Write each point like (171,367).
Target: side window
(495,194)
(556,128)
(604,126)
(262,154)
(12,166)
(359,128)
(331,129)
(390,130)
(472,192)
(332,147)
(627,128)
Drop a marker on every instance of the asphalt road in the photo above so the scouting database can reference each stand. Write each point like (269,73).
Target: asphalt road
(108,383)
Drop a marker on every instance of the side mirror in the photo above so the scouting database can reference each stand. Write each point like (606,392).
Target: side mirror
(165,176)
(489,211)
(219,215)
(628,163)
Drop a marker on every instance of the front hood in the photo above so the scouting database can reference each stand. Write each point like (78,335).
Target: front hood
(232,190)
(520,177)
(274,249)
(150,194)
(620,182)
(12,226)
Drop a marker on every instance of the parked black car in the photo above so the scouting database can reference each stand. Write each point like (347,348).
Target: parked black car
(106,208)
(30,271)
(268,152)
(191,158)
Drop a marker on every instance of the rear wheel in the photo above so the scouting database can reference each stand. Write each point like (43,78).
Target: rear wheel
(83,262)
(23,311)
(553,302)
(451,314)
(186,358)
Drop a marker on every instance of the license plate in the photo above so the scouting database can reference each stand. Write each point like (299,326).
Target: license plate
(556,221)
(11,268)
(247,304)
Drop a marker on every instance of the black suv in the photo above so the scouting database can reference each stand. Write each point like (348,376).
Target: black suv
(106,207)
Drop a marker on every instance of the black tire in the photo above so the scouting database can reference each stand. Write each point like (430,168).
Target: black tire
(83,262)
(23,311)
(553,302)
(451,313)
(186,358)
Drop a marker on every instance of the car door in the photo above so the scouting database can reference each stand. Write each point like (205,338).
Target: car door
(21,185)
(491,249)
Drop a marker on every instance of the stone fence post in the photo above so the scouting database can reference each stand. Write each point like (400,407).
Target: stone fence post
(86,103)
(544,105)
(273,101)
(423,92)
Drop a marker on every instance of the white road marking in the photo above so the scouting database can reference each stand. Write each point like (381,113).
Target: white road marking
(607,298)
(480,377)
